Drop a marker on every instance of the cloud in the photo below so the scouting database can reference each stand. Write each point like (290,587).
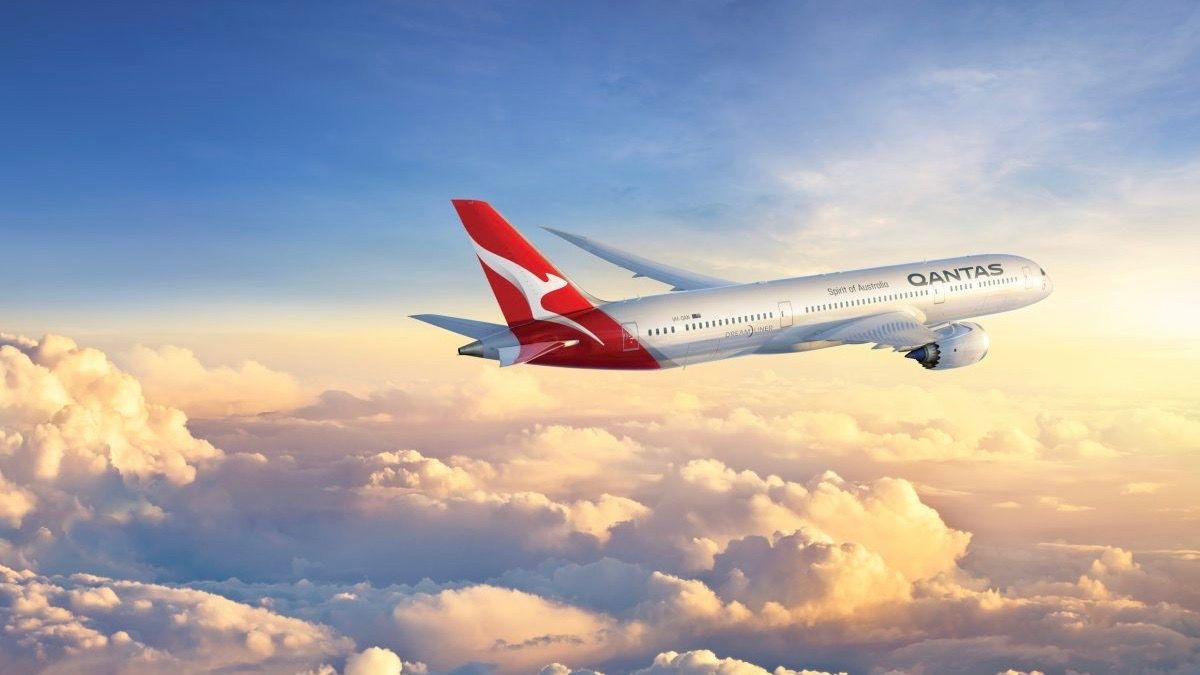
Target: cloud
(1057,503)
(423,525)
(1156,430)
(793,578)
(704,504)
(696,662)
(174,376)
(88,623)
(15,502)
(1141,488)
(499,625)
(374,661)
(704,662)
(69,414)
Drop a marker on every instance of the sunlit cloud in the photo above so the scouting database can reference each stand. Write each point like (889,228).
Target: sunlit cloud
(655,543)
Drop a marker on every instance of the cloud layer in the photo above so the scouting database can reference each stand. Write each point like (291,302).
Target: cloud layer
(350,532)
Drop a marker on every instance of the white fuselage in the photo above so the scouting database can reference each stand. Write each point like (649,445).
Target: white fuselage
(789,315)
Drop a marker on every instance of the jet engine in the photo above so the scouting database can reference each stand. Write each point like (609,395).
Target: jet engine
(958,344)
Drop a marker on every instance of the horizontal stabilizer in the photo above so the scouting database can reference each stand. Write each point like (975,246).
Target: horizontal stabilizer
(511,356)
(679,279)
(468,327)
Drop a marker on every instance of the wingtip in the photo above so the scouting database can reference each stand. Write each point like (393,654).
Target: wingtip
(573,238)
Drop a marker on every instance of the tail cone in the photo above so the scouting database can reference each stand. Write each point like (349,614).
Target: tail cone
(473,349)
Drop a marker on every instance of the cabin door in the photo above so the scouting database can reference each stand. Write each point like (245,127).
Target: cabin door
(939,294)
(785,314)
(629,337)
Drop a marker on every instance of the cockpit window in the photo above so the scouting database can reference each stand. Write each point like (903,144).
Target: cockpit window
(1042,271)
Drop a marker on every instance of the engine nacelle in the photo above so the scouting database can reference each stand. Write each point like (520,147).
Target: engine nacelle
(958,344)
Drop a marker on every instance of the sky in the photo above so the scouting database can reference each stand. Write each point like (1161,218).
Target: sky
(225,447)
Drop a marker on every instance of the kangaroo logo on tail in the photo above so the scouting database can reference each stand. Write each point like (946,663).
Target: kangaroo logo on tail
(533,288)
(506,255)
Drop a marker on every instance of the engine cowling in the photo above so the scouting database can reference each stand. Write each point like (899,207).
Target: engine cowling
(959,344)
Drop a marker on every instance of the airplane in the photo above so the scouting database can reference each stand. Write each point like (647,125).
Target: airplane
(916,308)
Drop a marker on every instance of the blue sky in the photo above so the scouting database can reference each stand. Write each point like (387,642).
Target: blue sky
(167,155)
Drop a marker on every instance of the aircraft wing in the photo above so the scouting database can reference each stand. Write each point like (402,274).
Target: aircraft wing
(678,279)
(899,330)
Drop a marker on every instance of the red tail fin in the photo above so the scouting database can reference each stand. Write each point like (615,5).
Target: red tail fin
(526,285)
